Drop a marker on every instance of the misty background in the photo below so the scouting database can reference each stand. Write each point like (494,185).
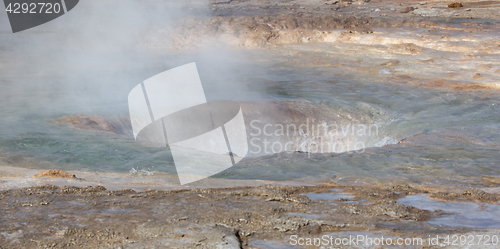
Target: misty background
(89,59)
(86,62)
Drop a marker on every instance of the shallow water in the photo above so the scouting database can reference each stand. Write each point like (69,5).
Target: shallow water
(461,214)
(270,244)
(468,149)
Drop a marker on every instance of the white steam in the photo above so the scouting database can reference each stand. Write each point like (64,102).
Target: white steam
(90,58)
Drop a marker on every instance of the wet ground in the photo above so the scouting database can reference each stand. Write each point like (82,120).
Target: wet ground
(261,217)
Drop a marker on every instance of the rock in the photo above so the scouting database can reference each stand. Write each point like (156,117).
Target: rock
(471,57)
(333,2)
(455,5)
(405,48)
(391,63)
(55,174)
(407,9)
(477,76)
(476,195)
(484,67)
(422,3)
(361,31)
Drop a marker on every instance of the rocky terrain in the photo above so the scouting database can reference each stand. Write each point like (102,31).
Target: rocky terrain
(208,218)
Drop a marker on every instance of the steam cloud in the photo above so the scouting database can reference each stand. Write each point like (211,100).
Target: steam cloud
(88,60)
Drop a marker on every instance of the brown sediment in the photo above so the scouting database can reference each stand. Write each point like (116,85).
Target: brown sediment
(407,48)
(407,10)
(471,195)
(55,174)
(445,84)
(455,5)
(491,180)
(484,67)
(360,31)
(118,125)
(390,63)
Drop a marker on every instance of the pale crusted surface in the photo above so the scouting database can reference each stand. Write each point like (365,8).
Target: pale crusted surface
(258,23)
